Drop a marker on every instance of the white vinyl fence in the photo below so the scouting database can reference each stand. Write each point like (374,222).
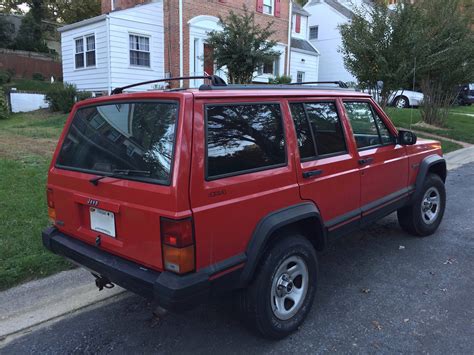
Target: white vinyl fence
(25,102)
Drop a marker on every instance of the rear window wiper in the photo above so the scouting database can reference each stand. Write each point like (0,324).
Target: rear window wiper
(119,173)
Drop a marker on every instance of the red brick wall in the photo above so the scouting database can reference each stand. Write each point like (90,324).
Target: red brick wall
(25,64)
(193,8)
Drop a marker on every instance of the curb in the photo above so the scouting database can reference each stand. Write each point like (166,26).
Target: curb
(459,158)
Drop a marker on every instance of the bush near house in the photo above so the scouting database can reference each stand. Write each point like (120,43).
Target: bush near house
(62,97)
(4,111)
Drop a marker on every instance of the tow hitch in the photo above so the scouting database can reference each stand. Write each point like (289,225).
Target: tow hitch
(102,282)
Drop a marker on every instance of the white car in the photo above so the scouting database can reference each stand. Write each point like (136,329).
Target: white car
(405,98)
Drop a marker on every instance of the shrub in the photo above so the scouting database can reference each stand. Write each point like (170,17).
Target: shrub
(61,97)
(4,111)
(38,76)
(5,76)
(283,79)
(83,95)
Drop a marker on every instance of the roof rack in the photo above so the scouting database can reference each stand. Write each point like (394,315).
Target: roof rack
(341,84)
(215,81)
(297,86)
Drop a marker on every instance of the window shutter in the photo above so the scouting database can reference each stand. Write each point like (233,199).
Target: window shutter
(277,8)
(260,6)
(298,23)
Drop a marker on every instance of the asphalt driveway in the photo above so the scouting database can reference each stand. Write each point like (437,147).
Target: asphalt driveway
(381,291)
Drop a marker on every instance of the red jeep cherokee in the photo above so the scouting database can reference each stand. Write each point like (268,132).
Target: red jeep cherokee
(178,195)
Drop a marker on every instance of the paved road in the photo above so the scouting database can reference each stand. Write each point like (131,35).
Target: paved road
(380,291)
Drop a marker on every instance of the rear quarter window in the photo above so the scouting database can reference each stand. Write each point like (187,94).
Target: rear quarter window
(242,138)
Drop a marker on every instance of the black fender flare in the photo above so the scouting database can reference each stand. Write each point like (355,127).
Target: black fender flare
(269,224)
(425,166)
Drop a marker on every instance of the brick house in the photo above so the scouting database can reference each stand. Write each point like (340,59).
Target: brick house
(136,40)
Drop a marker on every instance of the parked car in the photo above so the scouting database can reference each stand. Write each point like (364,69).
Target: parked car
(180,195)
(466,94)
(405,99)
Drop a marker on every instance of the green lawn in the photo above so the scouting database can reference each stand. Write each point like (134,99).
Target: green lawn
(458,126)
(29,85)
(26,145)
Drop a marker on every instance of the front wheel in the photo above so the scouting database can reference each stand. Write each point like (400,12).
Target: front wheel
(282,292)
(402,102)
(422,218)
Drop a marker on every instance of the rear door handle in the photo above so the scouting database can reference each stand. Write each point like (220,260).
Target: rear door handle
(312,173)
(366,161)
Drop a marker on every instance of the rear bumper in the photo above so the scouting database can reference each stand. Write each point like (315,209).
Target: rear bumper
(168,290)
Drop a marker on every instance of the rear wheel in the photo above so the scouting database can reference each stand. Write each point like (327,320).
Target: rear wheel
(423,217)
(282,292)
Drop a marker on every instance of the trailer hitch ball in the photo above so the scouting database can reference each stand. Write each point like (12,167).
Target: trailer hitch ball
(102,282)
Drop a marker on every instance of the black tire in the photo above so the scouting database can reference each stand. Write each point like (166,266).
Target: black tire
(256,300)
(397,100)
(411,218)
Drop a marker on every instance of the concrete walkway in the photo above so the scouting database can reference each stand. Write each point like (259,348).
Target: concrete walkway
(438,137)
(40,301)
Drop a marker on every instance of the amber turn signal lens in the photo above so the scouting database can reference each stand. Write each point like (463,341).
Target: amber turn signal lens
(178,260)
(52,214)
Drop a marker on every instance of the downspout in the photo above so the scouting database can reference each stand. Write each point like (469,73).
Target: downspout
(109,64)
(290,18)
(181,49)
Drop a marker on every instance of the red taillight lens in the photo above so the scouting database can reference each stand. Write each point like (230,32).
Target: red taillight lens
(178,245)
(177,233)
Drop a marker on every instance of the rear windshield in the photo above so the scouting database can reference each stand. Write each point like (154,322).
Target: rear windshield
(132,140)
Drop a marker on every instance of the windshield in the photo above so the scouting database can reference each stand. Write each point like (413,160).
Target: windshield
(133,137)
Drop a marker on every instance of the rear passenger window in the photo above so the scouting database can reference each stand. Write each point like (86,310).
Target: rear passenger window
(243,138)
(369,130)
(318,128)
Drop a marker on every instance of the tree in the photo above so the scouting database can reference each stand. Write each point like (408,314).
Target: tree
(379,46)
(6,33)
(242,46)
(445,54)
(67,11)
(30,36)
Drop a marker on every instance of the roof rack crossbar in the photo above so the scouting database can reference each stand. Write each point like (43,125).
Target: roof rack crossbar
(341,84)
(215,81)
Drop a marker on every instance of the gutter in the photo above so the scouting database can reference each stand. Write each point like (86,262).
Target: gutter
(181,49)
(290,17)
(109,64)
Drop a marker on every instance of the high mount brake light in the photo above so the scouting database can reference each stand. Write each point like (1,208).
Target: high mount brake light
(177,240)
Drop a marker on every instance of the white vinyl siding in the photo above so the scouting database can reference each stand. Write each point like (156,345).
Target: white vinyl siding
(304,63)
(111,45)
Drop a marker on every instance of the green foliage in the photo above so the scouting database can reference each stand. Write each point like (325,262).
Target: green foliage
(38,76)
(83,95)
(282,79)
(381,49)
(445,55)
(6,33)
(5,76)
(30,36)
(4,111)
(61,97)
(242,46)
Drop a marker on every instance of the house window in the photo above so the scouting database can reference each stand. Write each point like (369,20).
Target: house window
(268,7)
(85,51)
(139,51)
(300,77)
(313,32)
(271,68)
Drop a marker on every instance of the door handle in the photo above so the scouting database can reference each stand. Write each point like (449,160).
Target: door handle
(312,173)
(366,161)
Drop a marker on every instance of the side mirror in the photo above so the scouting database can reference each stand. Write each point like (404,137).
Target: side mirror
(406,138)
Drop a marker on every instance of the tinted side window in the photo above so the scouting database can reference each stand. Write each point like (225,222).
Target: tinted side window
(363,124)
(327,128)
(303,131)
(243,138)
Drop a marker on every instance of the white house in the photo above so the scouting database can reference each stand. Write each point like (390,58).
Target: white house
(115,49)
(326,16)
(304,57)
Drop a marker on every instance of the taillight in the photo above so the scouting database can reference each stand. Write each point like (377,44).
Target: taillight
(51,209)
(177,238)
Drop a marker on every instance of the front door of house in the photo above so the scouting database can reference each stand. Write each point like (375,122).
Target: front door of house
(208,60)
